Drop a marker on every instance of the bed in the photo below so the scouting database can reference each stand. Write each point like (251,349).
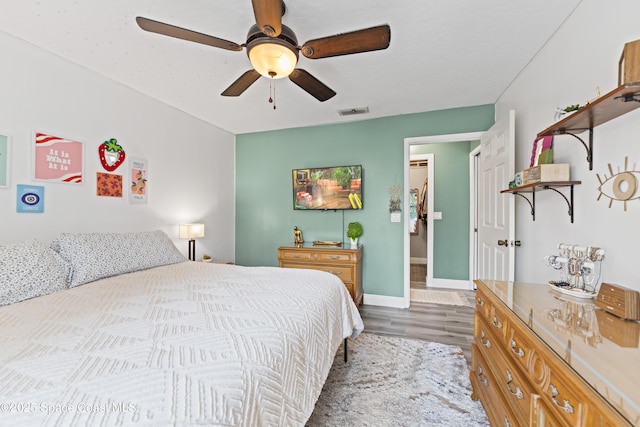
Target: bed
(158,340)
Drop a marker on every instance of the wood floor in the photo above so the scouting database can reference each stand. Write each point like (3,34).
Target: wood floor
(447,324)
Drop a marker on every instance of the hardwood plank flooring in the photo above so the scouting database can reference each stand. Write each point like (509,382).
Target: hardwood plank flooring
(447,324)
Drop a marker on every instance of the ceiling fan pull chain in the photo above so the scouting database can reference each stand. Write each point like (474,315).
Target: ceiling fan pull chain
(272,89)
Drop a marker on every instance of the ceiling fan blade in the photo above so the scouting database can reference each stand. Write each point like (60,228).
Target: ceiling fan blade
(268,15)
(313,86)
(367,40)
(240,85)
(181,33)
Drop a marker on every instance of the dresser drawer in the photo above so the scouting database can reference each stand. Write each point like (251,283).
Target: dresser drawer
(564,400)
(344,273)
(513,384)
(486,389)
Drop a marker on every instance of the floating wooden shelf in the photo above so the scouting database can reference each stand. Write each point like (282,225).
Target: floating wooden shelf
(614,104)
(542,186)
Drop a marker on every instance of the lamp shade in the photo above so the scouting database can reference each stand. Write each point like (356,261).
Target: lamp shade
(190,231)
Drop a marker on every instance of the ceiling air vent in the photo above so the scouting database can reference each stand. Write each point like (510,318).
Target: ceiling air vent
(353,111)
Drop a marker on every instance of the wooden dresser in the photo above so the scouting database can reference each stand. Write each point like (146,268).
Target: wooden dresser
(541,358)
(344,263)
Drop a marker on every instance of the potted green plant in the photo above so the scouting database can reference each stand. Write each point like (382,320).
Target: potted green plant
(354,231)
(206,258)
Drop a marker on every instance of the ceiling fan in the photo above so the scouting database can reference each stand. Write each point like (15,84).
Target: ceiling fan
(273,47)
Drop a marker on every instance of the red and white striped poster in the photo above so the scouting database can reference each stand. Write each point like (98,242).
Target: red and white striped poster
(58,159)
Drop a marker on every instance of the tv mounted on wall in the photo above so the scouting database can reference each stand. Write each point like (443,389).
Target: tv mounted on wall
(330,188)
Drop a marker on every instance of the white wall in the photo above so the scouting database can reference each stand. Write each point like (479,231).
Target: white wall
(191,163)
(581,56)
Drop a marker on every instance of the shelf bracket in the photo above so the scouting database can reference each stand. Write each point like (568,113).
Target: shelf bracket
(532,204)
(588,147)
(569,202)
(532,201)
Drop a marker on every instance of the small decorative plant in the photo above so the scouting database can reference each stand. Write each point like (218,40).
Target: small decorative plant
(354,230)
(571,108)
(206,258)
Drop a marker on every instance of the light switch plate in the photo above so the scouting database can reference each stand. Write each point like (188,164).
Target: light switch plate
(395,217)
(437,215)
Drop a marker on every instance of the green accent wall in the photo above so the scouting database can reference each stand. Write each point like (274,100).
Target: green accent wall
(264,213)
(451,195)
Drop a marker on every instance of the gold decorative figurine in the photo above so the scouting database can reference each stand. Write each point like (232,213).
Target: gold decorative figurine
(297,236)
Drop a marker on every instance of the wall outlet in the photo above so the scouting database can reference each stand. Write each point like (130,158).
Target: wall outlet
(437,215)
(395,217)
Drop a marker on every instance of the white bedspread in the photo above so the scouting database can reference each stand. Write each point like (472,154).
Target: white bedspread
(184,344)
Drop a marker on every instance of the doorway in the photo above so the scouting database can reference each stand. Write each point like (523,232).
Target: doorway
(420,196)
(437,282)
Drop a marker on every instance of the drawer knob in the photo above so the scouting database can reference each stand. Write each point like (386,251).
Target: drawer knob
(567,405)
(485,342)
(480,302)
(496,323)
(506,422)
(520,352)
(518,393)
(334,256)
(482,377)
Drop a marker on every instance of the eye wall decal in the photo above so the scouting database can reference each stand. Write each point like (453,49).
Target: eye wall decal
(621,186)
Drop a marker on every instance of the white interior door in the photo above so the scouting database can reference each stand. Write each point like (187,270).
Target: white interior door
(496,225)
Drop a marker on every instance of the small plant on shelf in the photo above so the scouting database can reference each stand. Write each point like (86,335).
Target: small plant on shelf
(206,258)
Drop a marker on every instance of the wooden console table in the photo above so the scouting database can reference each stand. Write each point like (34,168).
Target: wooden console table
(541,358)
(345,263)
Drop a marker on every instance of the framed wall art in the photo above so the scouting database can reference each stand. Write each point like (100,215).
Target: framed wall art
(139,169)
(30,198)
(5,160)
(57,159)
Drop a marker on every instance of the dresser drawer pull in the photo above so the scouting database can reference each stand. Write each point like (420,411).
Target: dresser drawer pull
(334,256)
(520,352)
(485,342)
(296,255)
(496,323)
(480,302)
(506,422)
(518,393)
(567,405)
(337,273)
(482,377)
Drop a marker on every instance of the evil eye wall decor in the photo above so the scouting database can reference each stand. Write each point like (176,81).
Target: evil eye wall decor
(621,186)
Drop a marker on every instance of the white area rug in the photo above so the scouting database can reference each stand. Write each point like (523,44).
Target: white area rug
(439,297)
(391,381)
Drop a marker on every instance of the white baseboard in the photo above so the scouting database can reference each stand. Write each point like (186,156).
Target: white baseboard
(450,284)
(384,301)
(415,260)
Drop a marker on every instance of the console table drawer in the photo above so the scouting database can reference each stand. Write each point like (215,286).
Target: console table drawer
(345,273)
(346,264)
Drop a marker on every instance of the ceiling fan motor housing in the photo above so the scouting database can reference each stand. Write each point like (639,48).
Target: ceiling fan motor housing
(273,57)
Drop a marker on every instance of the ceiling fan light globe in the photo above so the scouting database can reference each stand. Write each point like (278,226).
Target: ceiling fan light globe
(269,58)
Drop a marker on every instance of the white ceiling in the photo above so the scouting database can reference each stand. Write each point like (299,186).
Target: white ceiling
(443,53)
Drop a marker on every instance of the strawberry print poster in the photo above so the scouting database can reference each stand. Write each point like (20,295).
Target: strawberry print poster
(139,169)
(57,159)
(108,184)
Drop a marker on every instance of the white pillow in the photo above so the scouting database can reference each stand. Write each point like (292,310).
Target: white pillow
(29,269)
(96,255)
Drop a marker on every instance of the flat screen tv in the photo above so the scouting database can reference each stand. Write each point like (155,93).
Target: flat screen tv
(331,188)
